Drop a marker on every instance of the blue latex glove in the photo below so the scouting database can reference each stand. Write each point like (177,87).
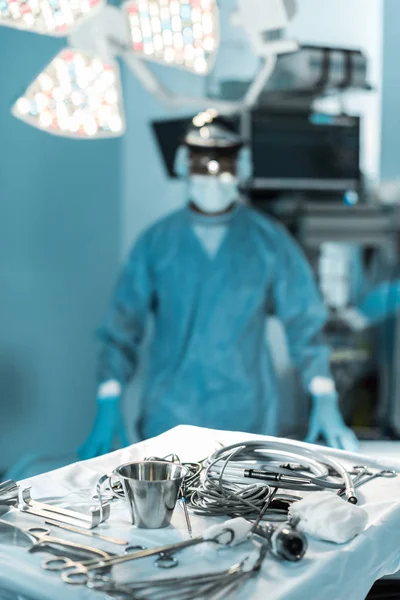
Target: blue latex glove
(108,427)
(327,421)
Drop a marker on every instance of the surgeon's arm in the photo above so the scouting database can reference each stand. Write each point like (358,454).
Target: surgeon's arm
(383,302)
(120,337)
(125,325)
(299,306)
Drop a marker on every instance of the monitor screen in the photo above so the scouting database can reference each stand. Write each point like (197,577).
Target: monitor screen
(303,151)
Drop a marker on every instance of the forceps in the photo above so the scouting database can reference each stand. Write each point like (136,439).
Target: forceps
(77,573)
(64,564)
(370,475)
(363,475)
(41,536)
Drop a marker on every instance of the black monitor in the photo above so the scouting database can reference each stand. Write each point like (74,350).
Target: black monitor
(303,151)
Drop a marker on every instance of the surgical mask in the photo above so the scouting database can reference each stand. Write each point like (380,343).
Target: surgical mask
(213,194)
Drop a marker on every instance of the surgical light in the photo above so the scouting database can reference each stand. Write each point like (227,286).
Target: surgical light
(77,95)
(184,33)
(213,167)
(203,118)
(264,22)
(49,17)
(205,133)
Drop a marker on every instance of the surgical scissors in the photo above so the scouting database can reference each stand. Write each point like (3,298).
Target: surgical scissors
(77,573)
(171,587)
(62,563)
(87,532)
(41,536)
(363,475)
(369,476)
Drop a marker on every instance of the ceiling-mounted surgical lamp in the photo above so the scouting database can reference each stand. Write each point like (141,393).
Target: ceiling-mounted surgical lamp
(265,22)
(47,17)
(79,93)
(183,34)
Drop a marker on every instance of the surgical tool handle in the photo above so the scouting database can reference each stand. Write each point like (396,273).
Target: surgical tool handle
(40,539)
(268,476)
(44,514)
(96,516)
(351,495)
(27,501)
(79,574)
(81,531)
(60,563)
(45,540)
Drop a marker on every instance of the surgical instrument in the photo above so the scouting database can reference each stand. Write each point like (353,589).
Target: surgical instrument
(283,541)
(286,542)
(359,471)
(183,503)
(238,478)
(314,474)
(97,514)
(77,573)
(228,533)
(369,476)
(364,475)
(41,536)
(86,532)
(205,586)
(63,563)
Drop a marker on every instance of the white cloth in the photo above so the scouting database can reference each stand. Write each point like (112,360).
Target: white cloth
(328,517)
(239,529)
(328,572)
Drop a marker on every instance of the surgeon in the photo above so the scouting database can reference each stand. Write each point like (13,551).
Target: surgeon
(381,303)
(209,273)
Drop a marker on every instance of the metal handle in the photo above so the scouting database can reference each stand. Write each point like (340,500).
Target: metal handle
(56,564)
(44,540)
(62,563)
(86,532)
(79,575)
(97,514)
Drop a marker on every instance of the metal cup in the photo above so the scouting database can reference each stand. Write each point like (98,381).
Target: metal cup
(151,489)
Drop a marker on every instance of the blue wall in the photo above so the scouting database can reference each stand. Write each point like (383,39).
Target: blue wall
(390,156)
(59,246)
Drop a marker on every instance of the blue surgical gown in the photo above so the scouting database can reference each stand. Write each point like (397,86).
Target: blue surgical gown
(209,362)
